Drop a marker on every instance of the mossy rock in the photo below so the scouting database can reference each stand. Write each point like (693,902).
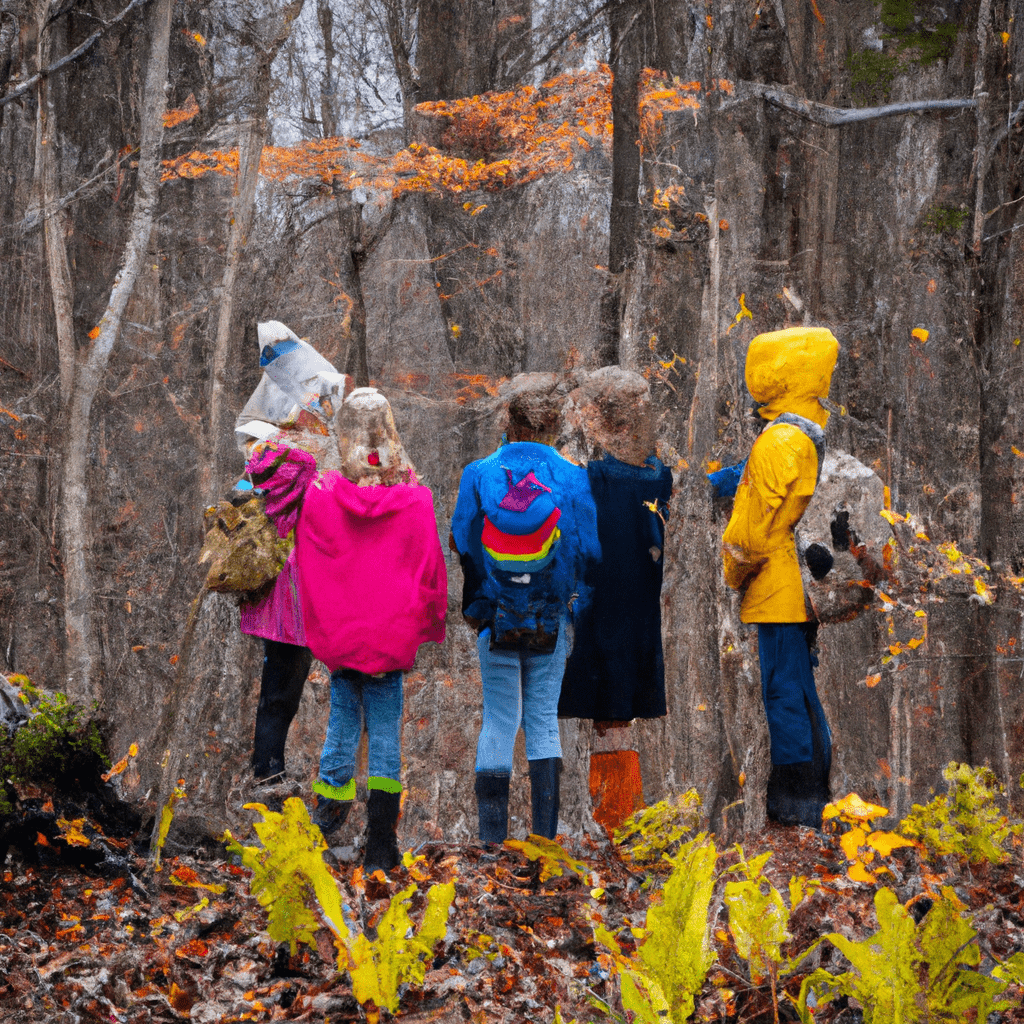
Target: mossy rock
(57,747)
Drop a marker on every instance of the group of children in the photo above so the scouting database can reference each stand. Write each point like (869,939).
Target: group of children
(562,573)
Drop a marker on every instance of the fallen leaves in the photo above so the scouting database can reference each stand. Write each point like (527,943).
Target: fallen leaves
(518,942)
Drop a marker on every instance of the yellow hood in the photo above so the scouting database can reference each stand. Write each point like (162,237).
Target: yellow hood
(788,371)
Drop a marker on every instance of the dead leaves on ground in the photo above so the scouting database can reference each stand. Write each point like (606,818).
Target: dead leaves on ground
(519,942)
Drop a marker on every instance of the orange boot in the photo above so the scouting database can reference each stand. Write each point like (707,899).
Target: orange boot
(616,788)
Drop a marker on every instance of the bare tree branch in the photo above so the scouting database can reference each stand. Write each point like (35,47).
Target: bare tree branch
(77,52)
(1005,130)
(834,117)
(569,32)
(34,218)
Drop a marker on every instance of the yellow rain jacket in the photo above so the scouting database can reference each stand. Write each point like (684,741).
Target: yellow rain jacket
(787,372)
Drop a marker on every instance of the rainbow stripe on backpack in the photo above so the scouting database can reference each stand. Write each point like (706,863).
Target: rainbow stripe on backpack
(516,543)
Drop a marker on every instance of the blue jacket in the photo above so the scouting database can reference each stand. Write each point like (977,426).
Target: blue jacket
(496,597)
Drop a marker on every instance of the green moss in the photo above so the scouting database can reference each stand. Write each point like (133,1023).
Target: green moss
(912,34)
(871,75)
(946,220)
(58,746)
(912,25)
(898,15)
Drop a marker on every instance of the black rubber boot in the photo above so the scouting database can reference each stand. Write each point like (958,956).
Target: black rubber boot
(544,775)
(329,815)
(797,794)
(492,805)
(381,851)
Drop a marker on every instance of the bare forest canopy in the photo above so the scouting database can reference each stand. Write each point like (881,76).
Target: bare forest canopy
(441,196)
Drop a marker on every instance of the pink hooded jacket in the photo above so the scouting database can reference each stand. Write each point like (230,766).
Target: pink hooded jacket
(371,573)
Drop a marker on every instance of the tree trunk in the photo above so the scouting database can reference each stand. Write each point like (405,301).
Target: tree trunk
(219,439)
(249,150)
(83,668)
(632,31)
(55,224)
(328,85)
(473,46)
(400,34)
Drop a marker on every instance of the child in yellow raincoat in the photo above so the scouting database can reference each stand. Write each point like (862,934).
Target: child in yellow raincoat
(788,372)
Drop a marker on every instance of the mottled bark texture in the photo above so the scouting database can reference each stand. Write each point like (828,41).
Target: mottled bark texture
(467,47)
(774,218)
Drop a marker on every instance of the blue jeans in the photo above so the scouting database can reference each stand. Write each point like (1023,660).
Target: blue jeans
(357,698)
(521,688)
(796,720)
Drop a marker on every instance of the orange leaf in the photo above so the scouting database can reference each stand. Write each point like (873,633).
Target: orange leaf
(886,842)
(196,947)
(873,680)
(182,114)
(179,999)
(859,873)
(852,841)
(94,333)
(853,808)
(185,875)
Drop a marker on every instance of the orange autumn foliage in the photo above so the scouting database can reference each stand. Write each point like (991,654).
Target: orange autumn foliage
(516,137)
(183,113)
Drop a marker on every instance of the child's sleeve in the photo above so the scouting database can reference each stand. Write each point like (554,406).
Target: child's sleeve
(283,474)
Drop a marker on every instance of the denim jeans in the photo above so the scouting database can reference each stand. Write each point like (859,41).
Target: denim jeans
(358,699)
(521,688)
(796,720)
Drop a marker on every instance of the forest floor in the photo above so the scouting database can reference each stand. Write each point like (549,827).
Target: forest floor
(191,942)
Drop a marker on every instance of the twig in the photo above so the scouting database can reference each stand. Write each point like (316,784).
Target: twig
(72,56)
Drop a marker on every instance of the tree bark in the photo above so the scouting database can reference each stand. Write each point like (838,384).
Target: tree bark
(397,18)
(55,226)
(69,58)
(350,215)
(250,149)
(83,669)
(466,48)
(632,31)
(328,121)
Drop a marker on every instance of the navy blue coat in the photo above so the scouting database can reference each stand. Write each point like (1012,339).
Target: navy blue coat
(616,671)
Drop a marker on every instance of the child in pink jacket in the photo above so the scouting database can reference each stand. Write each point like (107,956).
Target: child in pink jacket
(373,587)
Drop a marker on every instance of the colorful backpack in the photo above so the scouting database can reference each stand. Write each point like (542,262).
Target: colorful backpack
(520,533)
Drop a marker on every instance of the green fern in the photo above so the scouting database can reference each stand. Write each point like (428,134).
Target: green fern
(758,917)
(676,951)
(968,821)
(906,973)
(289,872)
(400,953)
(552,858)
(655,830)
(660,982)
(286,870)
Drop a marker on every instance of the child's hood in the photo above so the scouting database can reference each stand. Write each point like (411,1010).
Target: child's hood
(790,370)
(369,501)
